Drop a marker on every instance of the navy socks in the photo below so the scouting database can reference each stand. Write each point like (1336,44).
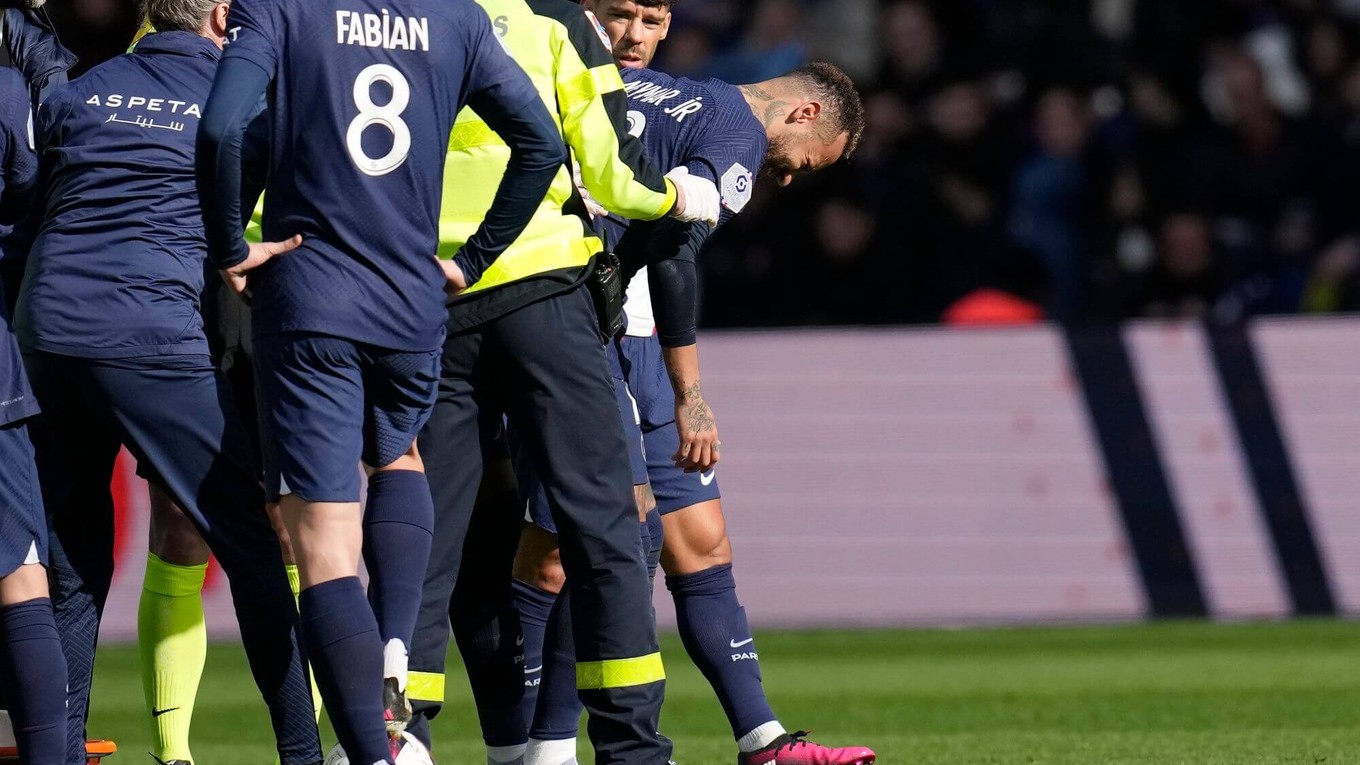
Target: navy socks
(342,642)
(33,679)
(715,633)
(398,530)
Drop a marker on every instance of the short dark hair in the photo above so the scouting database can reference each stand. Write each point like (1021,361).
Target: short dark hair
(841,102)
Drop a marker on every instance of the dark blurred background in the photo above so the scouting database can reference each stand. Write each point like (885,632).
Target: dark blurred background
(1101,159)
(1093,159)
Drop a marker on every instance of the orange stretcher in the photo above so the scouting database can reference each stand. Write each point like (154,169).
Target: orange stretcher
(95,751)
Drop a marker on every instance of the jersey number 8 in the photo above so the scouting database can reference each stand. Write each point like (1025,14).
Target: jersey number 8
(388,115)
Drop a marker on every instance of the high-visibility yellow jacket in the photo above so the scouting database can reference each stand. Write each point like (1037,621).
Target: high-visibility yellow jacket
(564,50)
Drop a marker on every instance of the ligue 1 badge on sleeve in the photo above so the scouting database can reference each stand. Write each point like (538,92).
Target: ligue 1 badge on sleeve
(599,30)
(736,187)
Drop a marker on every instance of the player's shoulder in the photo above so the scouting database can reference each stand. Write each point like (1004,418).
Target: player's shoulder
(648,77)
(97,80)
(725,95)
(457,11)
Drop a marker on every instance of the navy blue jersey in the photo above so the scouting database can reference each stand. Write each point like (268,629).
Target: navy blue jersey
(116,269)
(706,126)
(364,95)
(18,170)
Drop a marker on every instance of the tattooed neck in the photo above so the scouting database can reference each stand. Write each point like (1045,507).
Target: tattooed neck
(766,105)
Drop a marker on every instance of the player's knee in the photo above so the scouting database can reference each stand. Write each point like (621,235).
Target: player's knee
(409,461)
(548,577)
(28,582)
(704,550)
(695,540)
(281,531)
(173,537)
(538,562)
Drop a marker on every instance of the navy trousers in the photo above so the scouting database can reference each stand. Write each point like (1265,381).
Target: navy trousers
(544,367)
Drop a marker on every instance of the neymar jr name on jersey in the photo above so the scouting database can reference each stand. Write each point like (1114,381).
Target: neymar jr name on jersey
(373,30)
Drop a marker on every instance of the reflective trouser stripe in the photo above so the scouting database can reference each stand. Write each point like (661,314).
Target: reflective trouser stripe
(619,673)
(425,686)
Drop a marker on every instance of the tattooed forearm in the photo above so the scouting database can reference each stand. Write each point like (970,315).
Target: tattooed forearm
(687,392)
(698,418)
(693,410)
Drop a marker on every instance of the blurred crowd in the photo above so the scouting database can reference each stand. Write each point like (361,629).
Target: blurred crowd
(1084,160)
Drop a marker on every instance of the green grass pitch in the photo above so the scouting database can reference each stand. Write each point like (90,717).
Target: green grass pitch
(1161,694)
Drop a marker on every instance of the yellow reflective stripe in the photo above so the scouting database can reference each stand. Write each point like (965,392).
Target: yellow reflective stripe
(619,673)
(589,85)
(520,262)
(468,133)
(424,686)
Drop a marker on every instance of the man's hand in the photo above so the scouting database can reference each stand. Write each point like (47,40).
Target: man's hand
(699,442)
(261,253)
(454,274)
(696,199)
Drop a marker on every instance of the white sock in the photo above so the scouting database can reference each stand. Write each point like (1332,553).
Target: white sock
(561,752)
(394,662)
(761,737)
(505,755)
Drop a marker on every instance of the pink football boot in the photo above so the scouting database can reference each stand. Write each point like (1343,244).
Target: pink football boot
(792,749)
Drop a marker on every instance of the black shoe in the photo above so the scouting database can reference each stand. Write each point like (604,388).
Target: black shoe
(396,709)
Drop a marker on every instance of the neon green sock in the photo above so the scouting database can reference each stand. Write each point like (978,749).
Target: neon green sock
(295,582)
(173,641)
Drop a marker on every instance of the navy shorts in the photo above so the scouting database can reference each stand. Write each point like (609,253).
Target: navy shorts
(645,370)
(327,403)
(647,408)
(23,526)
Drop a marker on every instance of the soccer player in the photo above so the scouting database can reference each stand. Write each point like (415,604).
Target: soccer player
(511,351)
(349,323)
(797,123)
(122,239)
(172,634)
(32,666)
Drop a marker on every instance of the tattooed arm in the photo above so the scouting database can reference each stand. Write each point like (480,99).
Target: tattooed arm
(699,443)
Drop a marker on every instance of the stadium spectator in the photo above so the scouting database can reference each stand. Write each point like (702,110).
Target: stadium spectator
(1245,110)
